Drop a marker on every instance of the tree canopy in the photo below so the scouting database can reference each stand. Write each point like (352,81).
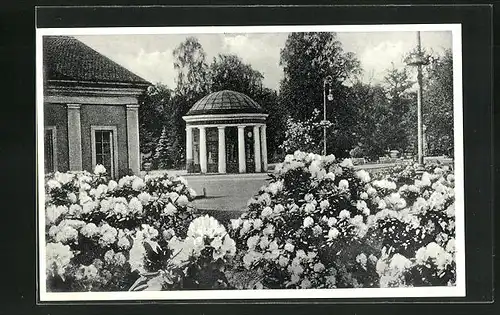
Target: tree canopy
(438,106)
(364,119)
(307,59)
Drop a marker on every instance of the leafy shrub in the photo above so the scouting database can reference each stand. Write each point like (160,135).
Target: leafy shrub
(304,135)
(357,152)
(417,222)
(303,230)
(319,223)
(197,262)
(102,235)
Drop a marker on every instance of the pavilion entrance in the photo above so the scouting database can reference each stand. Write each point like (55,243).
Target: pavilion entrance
(249,150)
(231,144)
(232,150)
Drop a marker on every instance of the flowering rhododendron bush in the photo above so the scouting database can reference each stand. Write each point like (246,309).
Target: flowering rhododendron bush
(103,235)
(304,230)
(198,261)
(322,224)
(416,219)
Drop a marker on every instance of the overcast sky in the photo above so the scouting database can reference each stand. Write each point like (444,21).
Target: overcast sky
(150,56)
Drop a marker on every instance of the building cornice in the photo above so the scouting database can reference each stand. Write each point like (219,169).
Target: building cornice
(141,85)
(226,118)
(111,90)
(74,106)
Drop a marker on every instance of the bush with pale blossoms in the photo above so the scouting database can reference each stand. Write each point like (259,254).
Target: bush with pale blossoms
(198,261)
(414,219)
(305,228)
(89,219)
(320,223)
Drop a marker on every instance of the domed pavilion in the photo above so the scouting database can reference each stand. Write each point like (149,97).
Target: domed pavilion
(226,133)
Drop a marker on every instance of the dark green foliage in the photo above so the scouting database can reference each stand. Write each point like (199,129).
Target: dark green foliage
(307,59)
(229,72)
(155,105)
(385,115)
(438,106)
(165,151)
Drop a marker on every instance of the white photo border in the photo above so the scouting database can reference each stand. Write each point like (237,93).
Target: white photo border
(459,290)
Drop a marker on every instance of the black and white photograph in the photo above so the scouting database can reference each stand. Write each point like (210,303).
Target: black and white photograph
(250,162)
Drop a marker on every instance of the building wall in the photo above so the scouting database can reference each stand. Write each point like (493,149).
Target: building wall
(56,115)
(104,115)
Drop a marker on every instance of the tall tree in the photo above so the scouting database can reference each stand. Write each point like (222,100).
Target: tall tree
(163,154)
(192,84)
(371,104)
(276,121)
(307,59)
(192,68)
(155,105)
(229,72)
(398,121)
(438,106)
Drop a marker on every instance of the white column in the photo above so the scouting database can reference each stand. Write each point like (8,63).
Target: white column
(74,137)
(203,149)
(222,149)
(241,149)
(134,155)
(263,141)
(256,148)
(189,147)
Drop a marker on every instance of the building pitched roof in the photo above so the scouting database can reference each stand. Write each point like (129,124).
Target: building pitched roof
(66,58)
(225,102)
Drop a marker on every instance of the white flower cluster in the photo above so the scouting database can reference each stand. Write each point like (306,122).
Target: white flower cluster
(436,255)
(363,175)
(121,207)
(261,248)
(58,258)
(316,164)
(203,233)
(86,214)
(138,252)
(87,273)
(52,213)
(112,258)
(312,219)
(392,270)
(105,235)
(300,263)
(99,169)
(131,181)
(384,184)
(418,210)
(66,231)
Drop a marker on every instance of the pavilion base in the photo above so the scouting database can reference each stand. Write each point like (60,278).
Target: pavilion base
(212,169)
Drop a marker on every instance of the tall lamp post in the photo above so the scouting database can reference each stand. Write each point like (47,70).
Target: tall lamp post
(418,60)
(327,81)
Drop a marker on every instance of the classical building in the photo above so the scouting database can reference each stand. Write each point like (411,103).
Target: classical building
(226,133)
(90,109)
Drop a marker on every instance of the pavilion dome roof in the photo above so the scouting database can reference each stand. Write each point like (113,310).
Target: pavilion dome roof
(225,102)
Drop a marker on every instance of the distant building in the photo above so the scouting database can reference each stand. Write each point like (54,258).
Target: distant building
(90,109)
(226,133)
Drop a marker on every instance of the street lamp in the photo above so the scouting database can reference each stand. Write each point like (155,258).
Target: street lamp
(417,59)
(327,81)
